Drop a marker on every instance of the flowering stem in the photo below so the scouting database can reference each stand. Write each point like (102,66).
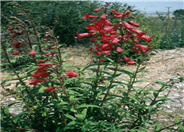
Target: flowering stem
(59,52)
(35,33)
(12,67)
(61,79)
(132,80)
(97,79)
(109,87)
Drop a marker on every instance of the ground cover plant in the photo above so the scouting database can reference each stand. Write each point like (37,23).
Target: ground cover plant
(59,97)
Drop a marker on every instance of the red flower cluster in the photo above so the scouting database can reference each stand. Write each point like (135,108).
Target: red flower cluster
(41,74)
(71,74)
(50,89)
(113,36)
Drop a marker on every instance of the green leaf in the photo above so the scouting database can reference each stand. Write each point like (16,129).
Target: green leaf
(65,54)
(82,116)
(122,70)
(70,117)
(87,106)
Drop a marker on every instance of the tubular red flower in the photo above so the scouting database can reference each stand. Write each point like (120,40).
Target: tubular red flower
(119,49)
(35,82)
(146,38)
(135,50)
(143,48)
(13,36)
(45,48)
(134,23)
(15,53)
(97,53)
(81,35)
(96,10)
(127,14)
(102,60)
(104,16)
(128,26)
(134,40)
(106,52)
(50,89)
(47,54)
(87,15)
(139,32)
(91,49)
(109,28)
(128,60)
(71,74)
(40,73)
(45,64)
(115,41)
(16,44)
(41,61)
(32,53)
(53,47)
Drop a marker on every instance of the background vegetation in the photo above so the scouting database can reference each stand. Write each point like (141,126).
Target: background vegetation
(66,18)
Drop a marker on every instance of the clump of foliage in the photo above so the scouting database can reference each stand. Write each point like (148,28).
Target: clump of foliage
(91,99)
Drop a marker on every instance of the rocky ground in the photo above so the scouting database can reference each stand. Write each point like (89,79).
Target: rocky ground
(163,65)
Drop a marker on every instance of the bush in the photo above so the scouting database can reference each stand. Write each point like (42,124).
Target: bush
(94,98)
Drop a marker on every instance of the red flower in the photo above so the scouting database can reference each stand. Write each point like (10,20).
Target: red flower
(10,29)
(134,40)
(41,61)
(115,41)
(143,48)
(45,48)
(41,67)
(50,89)
(134,23)
(16,44)
(93,38)
(53,47)
(71,74)
(127,14)
(15,53)
(32,53)
(117,14)
(135,50)
(102,60)
(139,32)
(40,73)
(26,10)
(13,36)
(128,26)
(81,35)
(109,28)
(119,49)
(91,49)
(87,15)
(96,10)
(35,82)
(104,16)
(47,54)
(128,60)
(146,38)
(44,64)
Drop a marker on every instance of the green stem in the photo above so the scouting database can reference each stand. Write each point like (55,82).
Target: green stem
(35,33)
(12,67)
(132,80)
(109,87)
(97,80)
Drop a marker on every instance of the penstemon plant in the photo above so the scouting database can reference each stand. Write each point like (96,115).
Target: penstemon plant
(101,97)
